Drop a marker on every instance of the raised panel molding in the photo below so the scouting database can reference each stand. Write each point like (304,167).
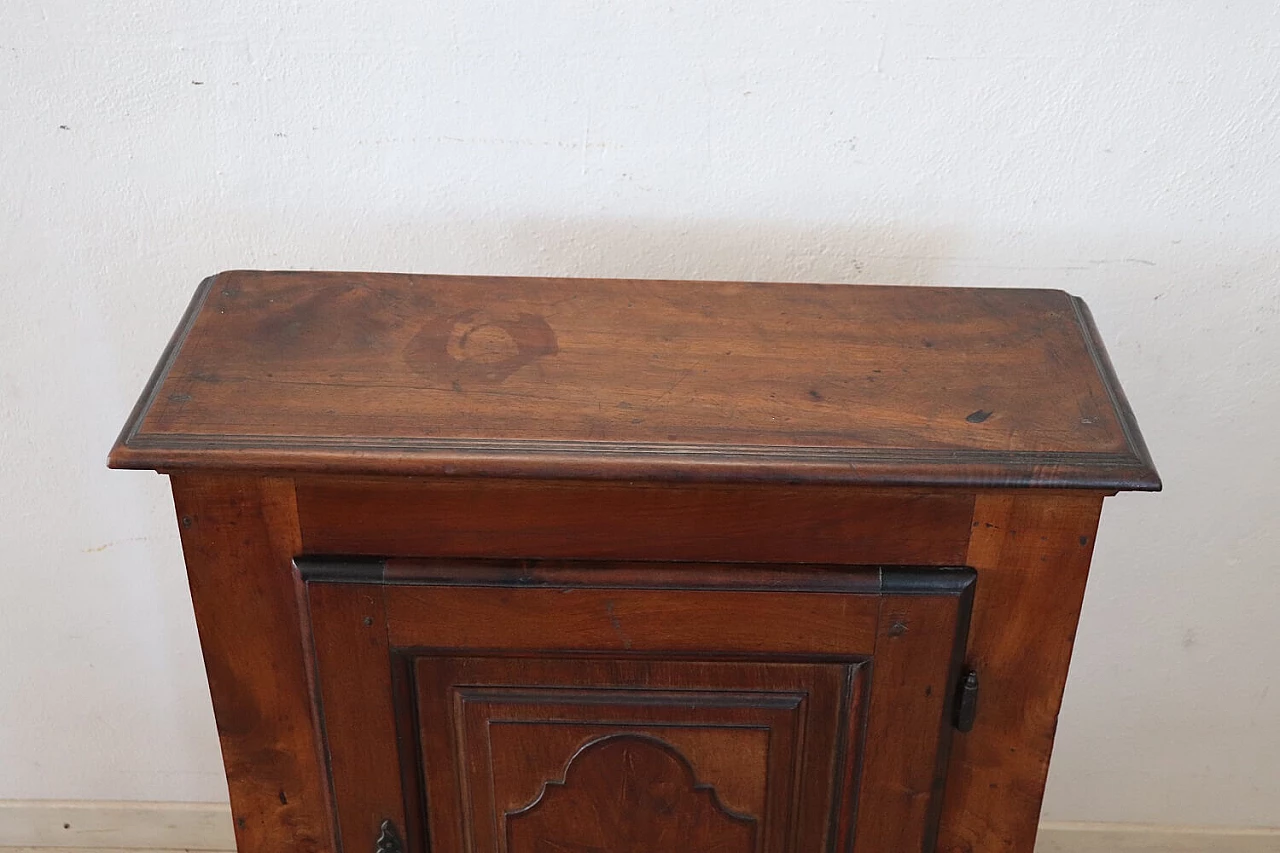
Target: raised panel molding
(726,739)
(518,747)
(629,793)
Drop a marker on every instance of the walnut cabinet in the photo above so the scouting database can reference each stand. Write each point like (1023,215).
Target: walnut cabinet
(503,565)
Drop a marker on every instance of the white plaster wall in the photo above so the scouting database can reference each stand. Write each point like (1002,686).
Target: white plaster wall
(1125,151)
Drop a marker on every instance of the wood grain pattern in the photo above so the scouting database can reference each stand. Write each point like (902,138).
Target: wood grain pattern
(239,536)
(776,720)
(764,735)
(632,620)
(617,379)
(918,654)
(635,521)
(1032,556)
(629,794)
(669,510)
(353,661)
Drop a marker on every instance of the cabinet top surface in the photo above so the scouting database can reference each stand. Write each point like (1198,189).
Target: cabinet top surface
(371,373)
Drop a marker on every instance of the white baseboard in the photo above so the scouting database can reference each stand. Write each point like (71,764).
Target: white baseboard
(103,826)
(1136,838)
(42,826)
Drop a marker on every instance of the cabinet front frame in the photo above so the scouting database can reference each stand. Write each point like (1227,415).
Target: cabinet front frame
(241,532)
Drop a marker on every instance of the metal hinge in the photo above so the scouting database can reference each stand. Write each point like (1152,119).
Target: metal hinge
(966,700)
(388,839)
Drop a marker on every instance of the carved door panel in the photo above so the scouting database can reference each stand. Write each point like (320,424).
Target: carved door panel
(559,751)
(503,708)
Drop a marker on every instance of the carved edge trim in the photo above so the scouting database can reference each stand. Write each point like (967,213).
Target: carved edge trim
(1115,392)
(129,433)
(973,468)
(722,452)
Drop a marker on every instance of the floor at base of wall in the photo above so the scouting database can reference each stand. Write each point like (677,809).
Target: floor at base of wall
(1127,838)
(92,827)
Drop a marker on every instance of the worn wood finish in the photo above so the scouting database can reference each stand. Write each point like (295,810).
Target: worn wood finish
(1032,556)
(691,621)
(657,380)
(639,550)
(352,657)
(918,655)
(601,574)
(239,535)
(661,805)
(645,697)
(757,738)
(514,518)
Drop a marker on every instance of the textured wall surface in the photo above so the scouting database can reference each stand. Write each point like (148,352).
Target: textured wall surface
(1124,151)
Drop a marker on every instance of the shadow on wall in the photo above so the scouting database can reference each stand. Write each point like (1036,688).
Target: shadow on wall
(603,248)
(750,251)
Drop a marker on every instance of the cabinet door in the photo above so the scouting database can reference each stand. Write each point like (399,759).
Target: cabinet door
(474,707)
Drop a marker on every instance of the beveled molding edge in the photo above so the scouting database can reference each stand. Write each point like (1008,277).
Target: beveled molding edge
(59,825)
(1119,402)
(639,461)
(168,356)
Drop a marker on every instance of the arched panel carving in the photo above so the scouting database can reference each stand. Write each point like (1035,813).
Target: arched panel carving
(628,793)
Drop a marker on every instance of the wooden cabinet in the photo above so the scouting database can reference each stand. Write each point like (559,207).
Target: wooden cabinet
(556,566)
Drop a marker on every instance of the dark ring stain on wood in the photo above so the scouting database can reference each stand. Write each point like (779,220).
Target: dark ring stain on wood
(729,382)
(479,348)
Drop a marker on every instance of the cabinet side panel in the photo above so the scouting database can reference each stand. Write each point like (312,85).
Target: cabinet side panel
(239,536)
(1032,555)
